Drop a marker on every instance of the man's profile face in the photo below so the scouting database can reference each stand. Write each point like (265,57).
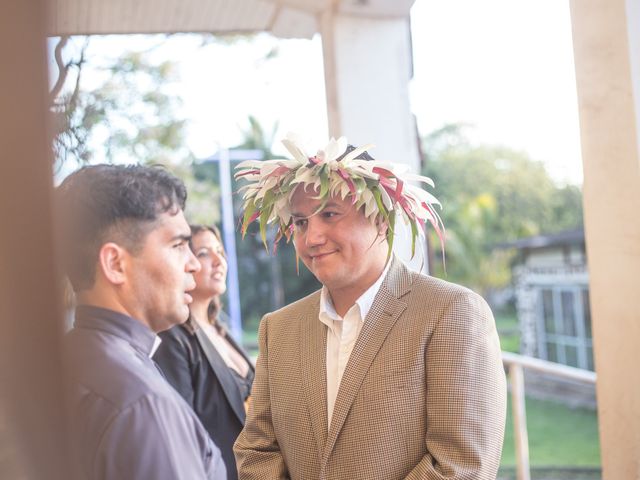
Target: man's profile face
(161,274)
(339,245)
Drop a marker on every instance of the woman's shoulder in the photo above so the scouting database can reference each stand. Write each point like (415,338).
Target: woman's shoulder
(185,332)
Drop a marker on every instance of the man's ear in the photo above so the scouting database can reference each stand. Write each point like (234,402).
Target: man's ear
(112,261)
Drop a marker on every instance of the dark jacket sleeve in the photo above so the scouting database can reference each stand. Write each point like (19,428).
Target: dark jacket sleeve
(175,356)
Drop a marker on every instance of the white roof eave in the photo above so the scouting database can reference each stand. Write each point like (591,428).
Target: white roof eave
(283,18)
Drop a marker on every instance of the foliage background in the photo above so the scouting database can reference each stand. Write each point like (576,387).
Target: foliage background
(491,195)
(130,111)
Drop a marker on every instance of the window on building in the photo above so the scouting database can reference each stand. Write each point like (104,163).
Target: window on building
(564,326)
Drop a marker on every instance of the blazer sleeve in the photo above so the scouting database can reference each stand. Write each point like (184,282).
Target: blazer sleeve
(256,449)
(175,358)
(466,394)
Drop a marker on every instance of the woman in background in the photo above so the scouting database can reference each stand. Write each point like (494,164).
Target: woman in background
(199,358)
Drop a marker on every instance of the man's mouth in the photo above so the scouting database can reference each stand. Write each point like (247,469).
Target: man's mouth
(320,256)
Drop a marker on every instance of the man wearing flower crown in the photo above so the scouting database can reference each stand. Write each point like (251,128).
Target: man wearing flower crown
(384,373)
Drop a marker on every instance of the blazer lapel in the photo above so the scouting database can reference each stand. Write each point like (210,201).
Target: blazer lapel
(385,311)
(313,362)
(223,373)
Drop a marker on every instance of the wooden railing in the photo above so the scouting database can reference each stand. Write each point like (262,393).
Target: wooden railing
(515,365)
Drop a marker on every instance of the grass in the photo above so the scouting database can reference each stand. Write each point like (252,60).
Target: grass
(508,330)
(558,436)
(250,342)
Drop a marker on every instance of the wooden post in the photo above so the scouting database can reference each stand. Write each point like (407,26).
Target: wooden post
(516,378)
(31,370)
(606,44)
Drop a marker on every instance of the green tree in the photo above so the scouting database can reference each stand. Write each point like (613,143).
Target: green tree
(123,109)
(124,113)
(492,195)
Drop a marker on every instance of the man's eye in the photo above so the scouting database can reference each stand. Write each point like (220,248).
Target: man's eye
(329,214)
(300,222)
(202,255)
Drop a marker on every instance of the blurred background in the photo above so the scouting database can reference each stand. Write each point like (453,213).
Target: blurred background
(486,105)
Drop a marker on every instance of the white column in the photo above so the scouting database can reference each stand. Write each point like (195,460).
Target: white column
(606,48)
(368,67)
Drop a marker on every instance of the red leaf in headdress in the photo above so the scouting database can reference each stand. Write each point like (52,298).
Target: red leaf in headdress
(248,172)
(279,171)
(385,180)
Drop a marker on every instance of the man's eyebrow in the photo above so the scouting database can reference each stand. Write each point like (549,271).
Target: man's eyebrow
(182,236)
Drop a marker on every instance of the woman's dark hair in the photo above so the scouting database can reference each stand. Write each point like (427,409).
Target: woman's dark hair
(215,306)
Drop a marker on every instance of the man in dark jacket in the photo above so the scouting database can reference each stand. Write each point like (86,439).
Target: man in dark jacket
(126,253)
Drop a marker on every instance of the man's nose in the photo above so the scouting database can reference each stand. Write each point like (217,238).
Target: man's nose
(315,234)
(193,265)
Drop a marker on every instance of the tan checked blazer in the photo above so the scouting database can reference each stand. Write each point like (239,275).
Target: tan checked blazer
(422,396)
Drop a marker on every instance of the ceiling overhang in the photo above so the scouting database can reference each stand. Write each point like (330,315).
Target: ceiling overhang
(283,18)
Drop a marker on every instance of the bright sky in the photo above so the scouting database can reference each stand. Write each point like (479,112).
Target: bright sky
(505,66)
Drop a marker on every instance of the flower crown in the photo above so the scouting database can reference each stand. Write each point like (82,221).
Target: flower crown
(381,189)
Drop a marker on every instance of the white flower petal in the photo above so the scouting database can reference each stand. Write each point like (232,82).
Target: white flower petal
(334,149)
(294,149)
(249,164)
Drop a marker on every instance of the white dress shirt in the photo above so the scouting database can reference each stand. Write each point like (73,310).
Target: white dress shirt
(342,334)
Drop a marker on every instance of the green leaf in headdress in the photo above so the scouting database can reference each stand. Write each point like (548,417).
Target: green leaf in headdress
(381,207)
(360,184)
(390,233)
(324,182)
(264,216)
(246,219)
(414,235)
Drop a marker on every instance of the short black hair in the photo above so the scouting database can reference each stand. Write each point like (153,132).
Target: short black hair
(102,203)
(350,148)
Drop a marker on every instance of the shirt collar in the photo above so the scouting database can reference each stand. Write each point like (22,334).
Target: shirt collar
(364,302)
(141,337)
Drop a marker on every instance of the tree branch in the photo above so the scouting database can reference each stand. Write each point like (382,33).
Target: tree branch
(62,69)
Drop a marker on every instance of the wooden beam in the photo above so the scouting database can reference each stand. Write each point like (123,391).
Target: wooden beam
(30,313)
(607,85)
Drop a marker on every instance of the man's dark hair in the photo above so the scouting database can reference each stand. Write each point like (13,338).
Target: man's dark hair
(102,203)
(350,148)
